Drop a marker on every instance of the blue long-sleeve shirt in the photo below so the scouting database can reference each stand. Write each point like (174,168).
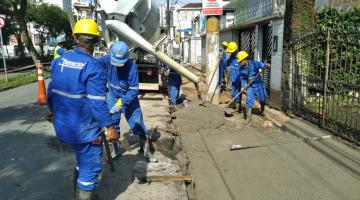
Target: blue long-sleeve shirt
(123,82)
(253,68)
(231,59)
(76,95)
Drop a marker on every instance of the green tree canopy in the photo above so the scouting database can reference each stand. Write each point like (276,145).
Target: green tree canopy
(48,19)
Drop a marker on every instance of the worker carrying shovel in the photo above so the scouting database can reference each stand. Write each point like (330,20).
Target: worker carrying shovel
(76,99)
(252,68)
(123,83)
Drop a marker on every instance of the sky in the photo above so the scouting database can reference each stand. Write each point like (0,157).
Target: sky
(55,2)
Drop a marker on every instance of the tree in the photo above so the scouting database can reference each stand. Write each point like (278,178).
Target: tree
(16,9)
(12,28)
(49,20)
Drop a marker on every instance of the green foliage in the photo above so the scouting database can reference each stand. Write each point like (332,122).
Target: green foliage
(344,46)
(48,19)
(331,18)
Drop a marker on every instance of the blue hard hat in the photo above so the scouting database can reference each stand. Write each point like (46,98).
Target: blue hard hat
(119,53)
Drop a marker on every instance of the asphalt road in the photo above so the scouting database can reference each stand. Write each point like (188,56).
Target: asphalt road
(35,167)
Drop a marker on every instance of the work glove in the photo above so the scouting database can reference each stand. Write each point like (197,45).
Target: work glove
(117,107)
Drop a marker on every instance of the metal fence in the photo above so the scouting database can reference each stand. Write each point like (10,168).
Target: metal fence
(325,86)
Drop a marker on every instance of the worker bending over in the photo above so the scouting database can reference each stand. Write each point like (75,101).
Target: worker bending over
(76,98)
(257,89)
(234,74)
(175,82)
(123,83)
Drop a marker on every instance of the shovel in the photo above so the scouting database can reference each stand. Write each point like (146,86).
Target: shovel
(235,147)
(229,111)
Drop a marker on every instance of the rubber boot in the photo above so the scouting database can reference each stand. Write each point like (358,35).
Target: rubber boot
(74,181)
(172,109)
(145,147)
(248,116)
(262,109)
(237,106)
(85,194)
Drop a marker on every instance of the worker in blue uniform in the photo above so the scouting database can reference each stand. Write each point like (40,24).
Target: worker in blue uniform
(231,48)
(222,64)
(164,77)
(77,102)
(257,89)
(122,98)
(175,82)
(234,74)
(59,49)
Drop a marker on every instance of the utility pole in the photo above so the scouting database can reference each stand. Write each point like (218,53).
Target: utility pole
(168,27)
(168,16)
(212,58)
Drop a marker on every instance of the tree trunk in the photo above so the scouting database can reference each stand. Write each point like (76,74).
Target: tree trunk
(21,47)
(19,15)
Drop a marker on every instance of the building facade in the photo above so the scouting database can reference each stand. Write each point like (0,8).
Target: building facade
(190,41)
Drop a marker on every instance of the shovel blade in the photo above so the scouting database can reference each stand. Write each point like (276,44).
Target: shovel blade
(229,112)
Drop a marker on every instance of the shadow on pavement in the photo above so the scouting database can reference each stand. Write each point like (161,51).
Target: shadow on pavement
(35,166)
(29,169)
(28,113)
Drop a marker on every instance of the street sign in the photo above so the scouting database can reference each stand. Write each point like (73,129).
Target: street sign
(2,21)
(212,7)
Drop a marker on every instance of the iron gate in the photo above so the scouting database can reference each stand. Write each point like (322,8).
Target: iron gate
(247,41)
(267,49)
(326,81)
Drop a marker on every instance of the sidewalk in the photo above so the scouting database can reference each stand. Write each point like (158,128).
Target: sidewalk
(288,168)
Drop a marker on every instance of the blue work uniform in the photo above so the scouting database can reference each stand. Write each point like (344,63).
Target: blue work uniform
(222,65)
(257,89)
(231,59)
(175,82)
(76,96)
(237,78)
(123,82)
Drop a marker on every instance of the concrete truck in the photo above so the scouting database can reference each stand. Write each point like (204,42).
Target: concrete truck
(137,23)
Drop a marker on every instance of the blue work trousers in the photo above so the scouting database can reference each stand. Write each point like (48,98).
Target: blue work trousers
(175,83)
(89,164)
(222,69)
(235,89)
(133,115)
(257,90)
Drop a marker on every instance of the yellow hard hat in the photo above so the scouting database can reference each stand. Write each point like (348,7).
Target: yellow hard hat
(232,47)
(242,55)
(86,26)
(225,43)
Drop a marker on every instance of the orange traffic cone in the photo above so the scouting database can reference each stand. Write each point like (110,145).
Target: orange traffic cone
(42,98)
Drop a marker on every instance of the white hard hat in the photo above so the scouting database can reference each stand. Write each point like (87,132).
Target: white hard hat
(177,57)
(60,39)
